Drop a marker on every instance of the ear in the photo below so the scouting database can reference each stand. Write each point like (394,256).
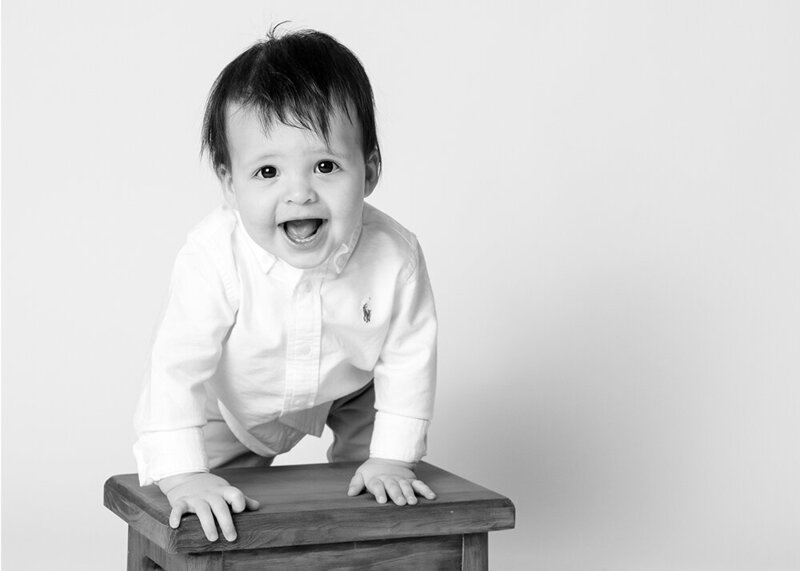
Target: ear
(226,180)
(372,172)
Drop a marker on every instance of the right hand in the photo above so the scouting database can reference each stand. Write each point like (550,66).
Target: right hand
(208,496)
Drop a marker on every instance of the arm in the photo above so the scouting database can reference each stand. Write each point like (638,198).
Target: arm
(170,449)
(405,378)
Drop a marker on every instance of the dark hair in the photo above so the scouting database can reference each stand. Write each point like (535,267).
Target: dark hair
(299,78)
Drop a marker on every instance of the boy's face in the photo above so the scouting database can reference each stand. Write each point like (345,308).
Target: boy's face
(298,197)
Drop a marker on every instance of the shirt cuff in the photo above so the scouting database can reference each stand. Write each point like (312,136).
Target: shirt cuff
(168,453)
(397,437)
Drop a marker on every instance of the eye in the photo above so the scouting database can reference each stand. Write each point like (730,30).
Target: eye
(267,172)
(326,167)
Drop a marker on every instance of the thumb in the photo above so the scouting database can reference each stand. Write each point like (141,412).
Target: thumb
(356,485)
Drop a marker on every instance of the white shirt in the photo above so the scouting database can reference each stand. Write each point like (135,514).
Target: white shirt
(274,345)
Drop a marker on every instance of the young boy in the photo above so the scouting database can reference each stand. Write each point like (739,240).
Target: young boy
(287,301)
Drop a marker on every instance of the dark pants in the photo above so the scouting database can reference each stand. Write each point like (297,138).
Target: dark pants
(350,418)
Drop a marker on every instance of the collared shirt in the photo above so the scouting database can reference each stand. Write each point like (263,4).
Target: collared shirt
(274,345)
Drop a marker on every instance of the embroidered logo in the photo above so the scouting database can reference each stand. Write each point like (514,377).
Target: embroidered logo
(366,310)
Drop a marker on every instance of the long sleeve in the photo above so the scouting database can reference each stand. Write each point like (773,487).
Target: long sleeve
(186,352)
(405,375)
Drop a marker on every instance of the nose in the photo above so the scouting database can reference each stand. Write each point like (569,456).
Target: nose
(300,191)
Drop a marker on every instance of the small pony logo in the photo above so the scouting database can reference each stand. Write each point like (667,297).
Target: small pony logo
(366,310)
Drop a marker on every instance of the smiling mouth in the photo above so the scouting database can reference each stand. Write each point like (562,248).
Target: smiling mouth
(302,231)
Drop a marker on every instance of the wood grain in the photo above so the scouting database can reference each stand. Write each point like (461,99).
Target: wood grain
(476,552)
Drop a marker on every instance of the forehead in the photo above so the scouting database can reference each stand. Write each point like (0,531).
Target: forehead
(249,129)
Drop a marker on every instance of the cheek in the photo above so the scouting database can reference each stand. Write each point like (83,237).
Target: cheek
(255,205)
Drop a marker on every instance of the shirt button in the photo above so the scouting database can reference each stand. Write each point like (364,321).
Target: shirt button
(304,350)
(306,287)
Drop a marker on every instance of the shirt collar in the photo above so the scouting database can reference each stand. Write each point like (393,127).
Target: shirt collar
(341,256)
(266,261)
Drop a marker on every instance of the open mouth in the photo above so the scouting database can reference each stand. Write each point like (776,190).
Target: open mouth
(302,231)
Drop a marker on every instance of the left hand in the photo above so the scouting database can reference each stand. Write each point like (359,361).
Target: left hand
(396,479)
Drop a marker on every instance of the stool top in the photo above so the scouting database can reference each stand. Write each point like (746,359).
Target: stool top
(308,504)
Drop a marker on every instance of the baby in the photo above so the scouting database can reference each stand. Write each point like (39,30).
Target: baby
(294,304)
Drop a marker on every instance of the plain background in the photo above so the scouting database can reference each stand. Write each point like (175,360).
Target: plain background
(607,195)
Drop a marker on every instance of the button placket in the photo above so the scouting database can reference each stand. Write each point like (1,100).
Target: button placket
(303,347)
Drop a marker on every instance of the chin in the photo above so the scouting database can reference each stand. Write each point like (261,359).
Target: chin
(305,261)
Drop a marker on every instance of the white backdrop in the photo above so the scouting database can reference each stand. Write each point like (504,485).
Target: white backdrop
(607,195)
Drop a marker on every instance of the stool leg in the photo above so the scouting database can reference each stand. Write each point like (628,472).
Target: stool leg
(142,553)
(475,552)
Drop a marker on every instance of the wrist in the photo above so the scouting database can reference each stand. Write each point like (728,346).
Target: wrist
(399,463)
(169,483)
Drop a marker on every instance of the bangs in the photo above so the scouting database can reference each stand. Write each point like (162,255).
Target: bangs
(301,79)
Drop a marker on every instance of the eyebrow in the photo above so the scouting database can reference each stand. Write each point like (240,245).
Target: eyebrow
(277,154)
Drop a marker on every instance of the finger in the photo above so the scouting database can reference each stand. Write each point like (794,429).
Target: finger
(235,498)
(394,491)
(422,488)
(203,512)
(408,492)
(356,485)
(178,510)
(251,504)
(375,487)
(220,508)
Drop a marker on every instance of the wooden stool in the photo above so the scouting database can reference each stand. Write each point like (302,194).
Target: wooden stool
(307,521)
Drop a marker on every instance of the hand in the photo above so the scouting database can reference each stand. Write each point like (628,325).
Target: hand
(207,496)
(381,477)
